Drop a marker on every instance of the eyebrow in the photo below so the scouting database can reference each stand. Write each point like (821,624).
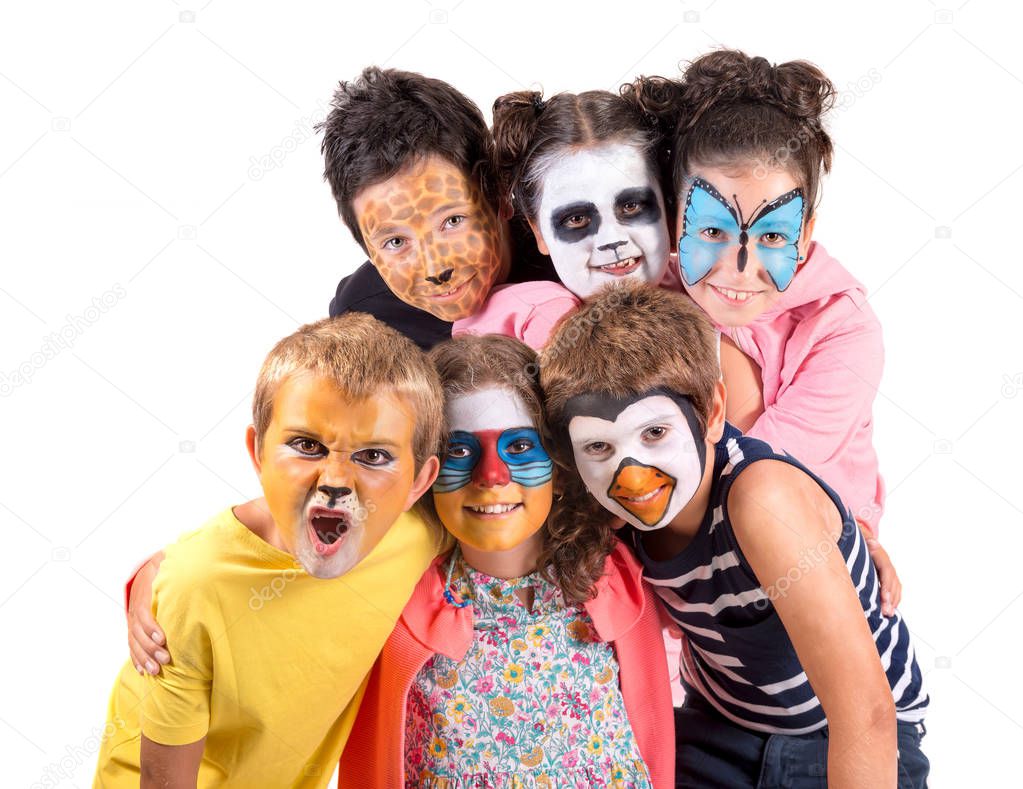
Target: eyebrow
(463,204)
(310,433)
(581,207)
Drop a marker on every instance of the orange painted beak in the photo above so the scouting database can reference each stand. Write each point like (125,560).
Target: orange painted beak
(642,490)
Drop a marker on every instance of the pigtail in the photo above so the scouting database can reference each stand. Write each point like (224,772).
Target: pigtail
(515,119)
(805,92)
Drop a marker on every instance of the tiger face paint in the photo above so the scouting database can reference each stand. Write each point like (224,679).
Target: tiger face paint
(641,457)
(495,487)
(433,238)
(601,218)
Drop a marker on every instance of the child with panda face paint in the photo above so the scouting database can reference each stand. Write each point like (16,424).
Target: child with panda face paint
(582,169)
(526,656)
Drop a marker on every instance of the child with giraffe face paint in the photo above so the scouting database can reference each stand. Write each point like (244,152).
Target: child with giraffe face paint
(474,683)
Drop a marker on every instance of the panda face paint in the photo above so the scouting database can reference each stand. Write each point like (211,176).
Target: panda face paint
(601,217)
(495,487)
(641,457)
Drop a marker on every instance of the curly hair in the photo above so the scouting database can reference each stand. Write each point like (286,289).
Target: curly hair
(574,551)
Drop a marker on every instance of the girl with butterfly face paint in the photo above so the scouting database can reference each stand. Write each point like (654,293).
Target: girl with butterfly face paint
(524,653)
(582,169)
(747,162)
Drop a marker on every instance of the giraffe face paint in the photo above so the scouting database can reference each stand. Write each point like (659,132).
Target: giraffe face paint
(435,241)
(495,487)
(641,457)
(335,472)
(740,239)
(601,217)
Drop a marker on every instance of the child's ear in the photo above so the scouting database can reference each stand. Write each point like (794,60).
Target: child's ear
(716,417)
(253,446)
(424,479)
(540,243)
(806,238)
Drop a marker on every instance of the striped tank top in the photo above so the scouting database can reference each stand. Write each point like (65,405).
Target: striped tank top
(736,653)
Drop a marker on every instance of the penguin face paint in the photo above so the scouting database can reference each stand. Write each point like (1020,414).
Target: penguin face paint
(641,457)
(495,487)
(601,218)
(741,235)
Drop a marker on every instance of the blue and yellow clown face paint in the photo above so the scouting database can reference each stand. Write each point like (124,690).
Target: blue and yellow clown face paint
(495,487)
(740,241)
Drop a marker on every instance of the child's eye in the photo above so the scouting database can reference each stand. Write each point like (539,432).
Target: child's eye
(655,433)
(396,243)
(713,233)
(631,208)
(455,221)
(458,451)
(373,457)
(773,238)
(576,221)
(306,446)
(597,448)
(520,446)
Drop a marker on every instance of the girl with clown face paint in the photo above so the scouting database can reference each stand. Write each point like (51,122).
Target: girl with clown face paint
(525,654)
(582,170)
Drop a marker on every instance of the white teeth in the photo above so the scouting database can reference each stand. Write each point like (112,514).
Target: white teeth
(735,295)
(647,496)
(493,509)
(620,264)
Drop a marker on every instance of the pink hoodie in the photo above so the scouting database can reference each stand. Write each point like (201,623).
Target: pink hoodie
(820,354)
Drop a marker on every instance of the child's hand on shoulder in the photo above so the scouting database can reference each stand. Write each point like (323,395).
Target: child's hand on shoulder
(146,641)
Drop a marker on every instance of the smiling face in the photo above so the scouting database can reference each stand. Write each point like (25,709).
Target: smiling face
(336,473)
(741,239)
(601,218)
(494,489)
(641,457)
(433,238)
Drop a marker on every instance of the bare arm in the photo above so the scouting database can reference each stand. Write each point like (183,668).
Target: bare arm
(744,385)
(780,517)
(146,641)
(170,766)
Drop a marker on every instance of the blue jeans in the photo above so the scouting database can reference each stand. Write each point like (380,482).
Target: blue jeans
(711,751)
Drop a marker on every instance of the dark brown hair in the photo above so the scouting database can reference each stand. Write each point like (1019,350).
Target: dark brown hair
(733,108)
(530,132)
(573,555)
(385,120)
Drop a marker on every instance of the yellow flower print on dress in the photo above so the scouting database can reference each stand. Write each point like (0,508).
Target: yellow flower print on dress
(458,707)
(438,748)
(501,707)
(513,672)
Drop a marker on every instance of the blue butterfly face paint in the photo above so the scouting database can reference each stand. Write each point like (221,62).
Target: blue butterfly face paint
(495,487)
(712,227)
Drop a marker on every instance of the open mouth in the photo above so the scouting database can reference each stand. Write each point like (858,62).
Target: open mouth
(621,267)
(492,510)
(453,292)
(734,297)
(326,528)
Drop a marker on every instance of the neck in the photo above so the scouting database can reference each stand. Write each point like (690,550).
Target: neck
(512,563)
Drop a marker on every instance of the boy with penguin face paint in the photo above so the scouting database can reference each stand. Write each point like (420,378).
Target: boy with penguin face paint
(788,677)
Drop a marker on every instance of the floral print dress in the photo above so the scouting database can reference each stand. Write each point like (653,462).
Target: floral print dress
(535,702)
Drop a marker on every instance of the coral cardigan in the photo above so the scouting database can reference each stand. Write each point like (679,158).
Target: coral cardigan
(623,611)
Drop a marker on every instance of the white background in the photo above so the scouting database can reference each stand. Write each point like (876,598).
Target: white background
(130,149)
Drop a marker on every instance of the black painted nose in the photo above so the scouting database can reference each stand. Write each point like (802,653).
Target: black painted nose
(612,245)
(445,276)
(334,493)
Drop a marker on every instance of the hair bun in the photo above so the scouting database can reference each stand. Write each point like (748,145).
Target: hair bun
(797,88)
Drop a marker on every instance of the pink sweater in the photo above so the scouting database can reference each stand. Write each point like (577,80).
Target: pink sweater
(820,355)
(624,612)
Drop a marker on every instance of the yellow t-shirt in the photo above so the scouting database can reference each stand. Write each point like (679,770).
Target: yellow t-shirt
(267,662)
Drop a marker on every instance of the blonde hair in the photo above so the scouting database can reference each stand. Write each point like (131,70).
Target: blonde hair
(363,358)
